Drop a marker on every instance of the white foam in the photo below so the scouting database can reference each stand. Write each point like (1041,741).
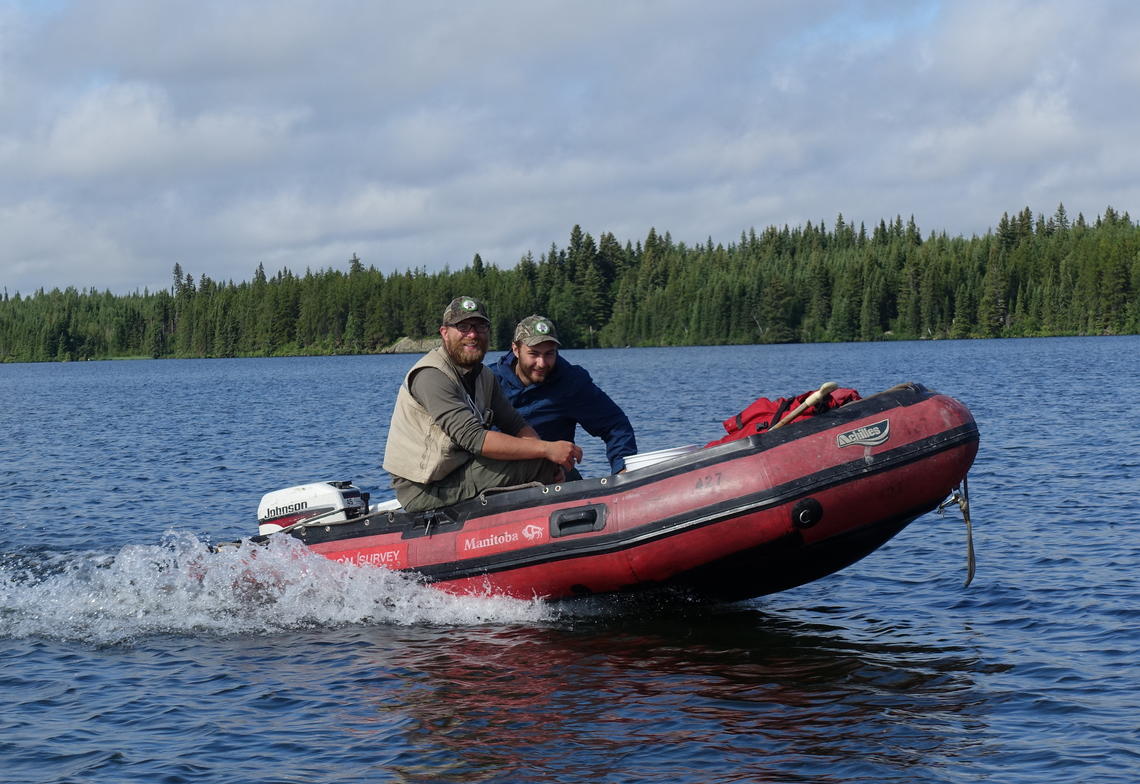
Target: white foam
(181,587)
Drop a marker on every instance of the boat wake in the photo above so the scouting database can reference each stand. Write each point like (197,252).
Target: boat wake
(181,586)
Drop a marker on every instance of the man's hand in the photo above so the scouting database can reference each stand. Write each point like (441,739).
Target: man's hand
(563,453)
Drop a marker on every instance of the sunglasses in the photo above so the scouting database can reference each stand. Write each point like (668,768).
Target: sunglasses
(477,327)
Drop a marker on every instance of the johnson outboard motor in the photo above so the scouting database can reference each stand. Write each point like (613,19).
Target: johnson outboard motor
(332,502)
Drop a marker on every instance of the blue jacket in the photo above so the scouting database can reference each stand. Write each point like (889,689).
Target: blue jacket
(567,398)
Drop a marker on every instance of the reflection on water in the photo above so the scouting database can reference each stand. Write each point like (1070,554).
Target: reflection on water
(667,696)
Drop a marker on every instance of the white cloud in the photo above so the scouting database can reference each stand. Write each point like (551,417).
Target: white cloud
(47,246)
(417,134)
(1031,127)
(293,218)
(121,129)
(1003,43)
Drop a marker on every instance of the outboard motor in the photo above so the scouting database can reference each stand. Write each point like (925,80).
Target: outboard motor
(333,502)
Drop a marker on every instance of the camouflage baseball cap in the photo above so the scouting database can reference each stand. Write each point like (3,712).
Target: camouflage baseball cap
(463,308)
(533,330)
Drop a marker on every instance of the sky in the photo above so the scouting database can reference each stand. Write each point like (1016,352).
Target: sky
(136,134)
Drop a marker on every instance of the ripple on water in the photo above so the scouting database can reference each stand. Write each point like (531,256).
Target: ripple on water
(133,655)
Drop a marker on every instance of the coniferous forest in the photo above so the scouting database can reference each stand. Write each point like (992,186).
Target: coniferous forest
(1032,276)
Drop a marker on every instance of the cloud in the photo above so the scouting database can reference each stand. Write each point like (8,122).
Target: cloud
(116,130)
(41,243)
(1001,45)
(296,133)
(1031,128)
(295,218)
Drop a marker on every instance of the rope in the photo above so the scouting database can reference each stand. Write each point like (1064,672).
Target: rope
(483,495)
(317,520)
(961,497)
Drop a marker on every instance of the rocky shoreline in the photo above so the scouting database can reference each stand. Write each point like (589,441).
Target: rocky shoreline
(406,345)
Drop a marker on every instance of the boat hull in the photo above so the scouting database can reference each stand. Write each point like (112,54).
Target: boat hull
(750,517)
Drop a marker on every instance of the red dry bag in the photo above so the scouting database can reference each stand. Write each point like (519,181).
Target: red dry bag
(762,413)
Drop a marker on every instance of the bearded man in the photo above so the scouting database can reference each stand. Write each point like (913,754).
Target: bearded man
(441,449)
(555,396)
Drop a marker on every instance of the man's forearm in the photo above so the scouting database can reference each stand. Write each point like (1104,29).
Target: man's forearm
(500,446)
(525,446)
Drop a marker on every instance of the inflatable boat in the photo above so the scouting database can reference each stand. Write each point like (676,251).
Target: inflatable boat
(756,515)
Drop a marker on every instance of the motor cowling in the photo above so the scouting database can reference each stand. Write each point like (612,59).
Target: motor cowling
(332,502)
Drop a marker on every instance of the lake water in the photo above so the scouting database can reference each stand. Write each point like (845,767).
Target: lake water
(130,653)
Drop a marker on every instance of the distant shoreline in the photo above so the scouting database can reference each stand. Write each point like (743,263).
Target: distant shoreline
(407,345)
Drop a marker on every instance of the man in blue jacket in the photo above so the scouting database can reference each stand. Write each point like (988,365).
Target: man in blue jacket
(554,396)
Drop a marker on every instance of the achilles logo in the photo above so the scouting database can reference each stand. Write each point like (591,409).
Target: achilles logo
(532,532)
(868,435)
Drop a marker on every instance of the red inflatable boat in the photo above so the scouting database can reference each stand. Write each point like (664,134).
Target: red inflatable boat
(753,516)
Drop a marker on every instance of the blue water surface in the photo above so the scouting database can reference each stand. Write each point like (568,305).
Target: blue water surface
(132,653)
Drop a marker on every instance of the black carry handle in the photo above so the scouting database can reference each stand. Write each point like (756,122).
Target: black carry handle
(578,520)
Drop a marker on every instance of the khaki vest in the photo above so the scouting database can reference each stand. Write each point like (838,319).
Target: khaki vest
(417,449)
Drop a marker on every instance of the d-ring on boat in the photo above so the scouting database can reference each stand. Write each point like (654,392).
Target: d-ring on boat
(753,516)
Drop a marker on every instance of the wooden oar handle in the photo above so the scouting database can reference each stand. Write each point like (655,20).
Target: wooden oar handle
(824,390)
